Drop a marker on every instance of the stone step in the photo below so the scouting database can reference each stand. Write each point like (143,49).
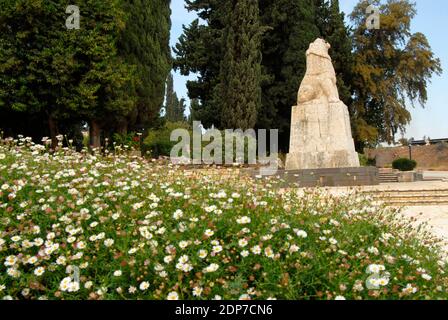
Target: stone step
(408,191)
(413,200)
(415,203)
(410,197)
(386,170)
(388,180)
(387,176)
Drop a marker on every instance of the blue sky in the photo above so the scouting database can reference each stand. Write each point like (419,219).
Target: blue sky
(430,20)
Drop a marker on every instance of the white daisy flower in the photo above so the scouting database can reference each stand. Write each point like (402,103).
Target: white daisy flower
(144,285)
(172,296)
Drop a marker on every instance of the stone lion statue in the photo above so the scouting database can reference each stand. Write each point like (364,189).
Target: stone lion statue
(320,78)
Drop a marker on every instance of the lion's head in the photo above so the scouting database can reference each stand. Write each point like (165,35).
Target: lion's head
(319,47)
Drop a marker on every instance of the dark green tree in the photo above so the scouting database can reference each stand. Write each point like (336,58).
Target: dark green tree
(292,28)
(200,50)
(332,28)
(238,95)
(180,111)
(322,16)
(171,99)
(174,108)
(194,106)
(49,72)
(145,43)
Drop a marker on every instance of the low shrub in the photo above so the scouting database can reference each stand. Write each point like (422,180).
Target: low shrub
(364,161)
(157,143)
(129,141)
(404,164)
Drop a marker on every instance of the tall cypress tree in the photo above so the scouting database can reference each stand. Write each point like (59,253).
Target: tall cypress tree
(174,108)
(292,26)
(145,43)
(200,50)
(194,105)
(238,95)
(180,110)
(170,99)
(322,16)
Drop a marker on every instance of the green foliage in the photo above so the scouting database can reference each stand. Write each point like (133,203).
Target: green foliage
(227,90)
(171,99)
(109,73)
(392,66)
(59,73)
(180,110)
(404,164)
(194,107)
(362,159)
(377,70)
(404,142)
(145,43)
(157,143)
(292,27)
(236,140)
(200,50)
(365,161)
(236,137)
(174,108)
(330,21)
(130,140)
(238,95)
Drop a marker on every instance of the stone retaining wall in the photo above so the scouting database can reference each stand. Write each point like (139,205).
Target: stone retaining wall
(332,177)
(433,157)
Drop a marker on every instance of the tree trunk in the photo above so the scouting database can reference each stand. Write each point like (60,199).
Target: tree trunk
(123,127)
(52,126)
(95,135)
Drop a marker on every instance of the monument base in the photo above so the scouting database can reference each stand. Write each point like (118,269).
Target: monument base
(310,160)
(321,137)
(331,177)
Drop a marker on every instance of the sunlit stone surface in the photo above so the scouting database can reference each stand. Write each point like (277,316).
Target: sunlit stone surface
(321,135)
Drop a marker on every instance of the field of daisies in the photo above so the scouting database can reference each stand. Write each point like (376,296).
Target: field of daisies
(78,226)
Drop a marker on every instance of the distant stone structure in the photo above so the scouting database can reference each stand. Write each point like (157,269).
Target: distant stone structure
(432,157)
(321,135)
